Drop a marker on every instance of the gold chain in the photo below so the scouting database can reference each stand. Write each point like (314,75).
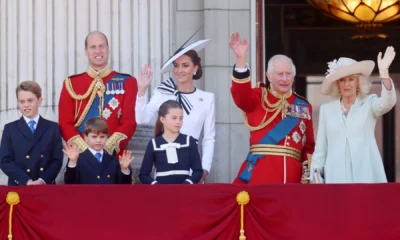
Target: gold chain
(282,104)
(75,96)
(96,87)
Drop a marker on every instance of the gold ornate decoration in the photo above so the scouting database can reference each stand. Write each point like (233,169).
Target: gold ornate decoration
(242,199)
(79,142)
(97,87)
(113,142)
(369,15)
(12,199)
(242,80)
(275,150)
(278,107)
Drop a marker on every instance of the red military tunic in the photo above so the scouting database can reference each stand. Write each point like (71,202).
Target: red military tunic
(282,162)
(76,101)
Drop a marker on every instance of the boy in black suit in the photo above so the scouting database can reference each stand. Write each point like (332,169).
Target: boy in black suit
(31,147)
(94,165)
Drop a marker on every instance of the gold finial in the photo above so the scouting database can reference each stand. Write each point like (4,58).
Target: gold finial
(242,198)
(12,199)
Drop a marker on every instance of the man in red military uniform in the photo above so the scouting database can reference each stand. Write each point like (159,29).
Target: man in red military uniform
(99,92)
(280,124)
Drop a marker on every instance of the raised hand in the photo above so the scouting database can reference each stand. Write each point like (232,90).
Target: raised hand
(72,152)
(239,48)
(144,80)
(125,160)
(385,61)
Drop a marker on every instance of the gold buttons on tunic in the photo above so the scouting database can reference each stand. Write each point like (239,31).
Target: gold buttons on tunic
(42,156)
(28,170)
(16,182)
(98,177)
(287,143)
(108,176)
(27,157)
(288,137)
(41,169)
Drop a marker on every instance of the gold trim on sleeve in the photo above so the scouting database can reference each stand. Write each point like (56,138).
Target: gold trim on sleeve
(113,142)
(79,142)
(241,81)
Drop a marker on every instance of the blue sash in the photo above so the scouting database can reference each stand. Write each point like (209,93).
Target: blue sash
(274,136)
(94,109)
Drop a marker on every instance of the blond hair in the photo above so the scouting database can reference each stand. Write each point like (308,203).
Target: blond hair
(363,87)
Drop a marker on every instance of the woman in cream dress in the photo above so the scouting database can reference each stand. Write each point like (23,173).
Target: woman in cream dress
(346,149)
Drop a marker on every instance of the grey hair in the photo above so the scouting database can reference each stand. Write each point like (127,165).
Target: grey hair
(280,57)
(363,84)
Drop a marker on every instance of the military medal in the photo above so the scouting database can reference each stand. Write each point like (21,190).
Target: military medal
(117,91)
(122,88)
(113,103)
(112,88)
(108,89)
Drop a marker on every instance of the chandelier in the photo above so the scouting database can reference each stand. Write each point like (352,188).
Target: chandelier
(369,15)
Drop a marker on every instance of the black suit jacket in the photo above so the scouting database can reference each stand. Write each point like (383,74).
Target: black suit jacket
(25,155)
(88,170)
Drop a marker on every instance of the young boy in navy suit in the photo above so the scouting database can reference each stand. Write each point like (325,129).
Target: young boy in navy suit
(94,165)
(31,147)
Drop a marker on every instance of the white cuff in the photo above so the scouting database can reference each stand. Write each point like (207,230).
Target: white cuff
(71,166)
(241,70)
(154,182)
(189,181)
(129,172)
(42,180)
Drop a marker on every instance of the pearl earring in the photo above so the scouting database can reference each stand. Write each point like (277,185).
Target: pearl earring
(194,73)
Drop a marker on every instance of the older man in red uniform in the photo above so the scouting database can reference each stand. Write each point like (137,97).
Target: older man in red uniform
(99,92)
(280,124)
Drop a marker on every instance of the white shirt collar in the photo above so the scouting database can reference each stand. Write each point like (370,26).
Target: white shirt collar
(36,119)
(94,152)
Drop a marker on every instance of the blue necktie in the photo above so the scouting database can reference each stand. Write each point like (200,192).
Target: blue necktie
(98,156)
(31,125)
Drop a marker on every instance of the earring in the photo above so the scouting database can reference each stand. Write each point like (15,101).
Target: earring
(194,73)
(338,90)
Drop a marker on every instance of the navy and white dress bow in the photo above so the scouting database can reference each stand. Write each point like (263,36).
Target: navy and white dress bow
(169,87)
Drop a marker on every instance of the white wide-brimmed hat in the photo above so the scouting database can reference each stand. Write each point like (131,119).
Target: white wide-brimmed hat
(196,46)
(343,67)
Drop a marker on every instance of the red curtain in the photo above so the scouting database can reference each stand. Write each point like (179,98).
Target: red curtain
(205,211)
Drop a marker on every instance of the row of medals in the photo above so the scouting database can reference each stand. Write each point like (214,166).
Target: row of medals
(116,88)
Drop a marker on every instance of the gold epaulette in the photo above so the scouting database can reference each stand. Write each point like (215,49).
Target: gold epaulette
(112,143)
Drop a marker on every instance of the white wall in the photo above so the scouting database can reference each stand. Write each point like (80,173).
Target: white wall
(43,40)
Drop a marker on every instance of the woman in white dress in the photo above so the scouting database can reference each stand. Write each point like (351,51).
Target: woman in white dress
(198,105)
(346,149)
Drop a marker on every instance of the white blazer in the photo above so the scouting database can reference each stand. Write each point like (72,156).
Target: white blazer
(329,155)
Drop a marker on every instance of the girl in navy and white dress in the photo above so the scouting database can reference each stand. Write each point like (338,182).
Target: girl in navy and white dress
(198,105)
(171,153)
